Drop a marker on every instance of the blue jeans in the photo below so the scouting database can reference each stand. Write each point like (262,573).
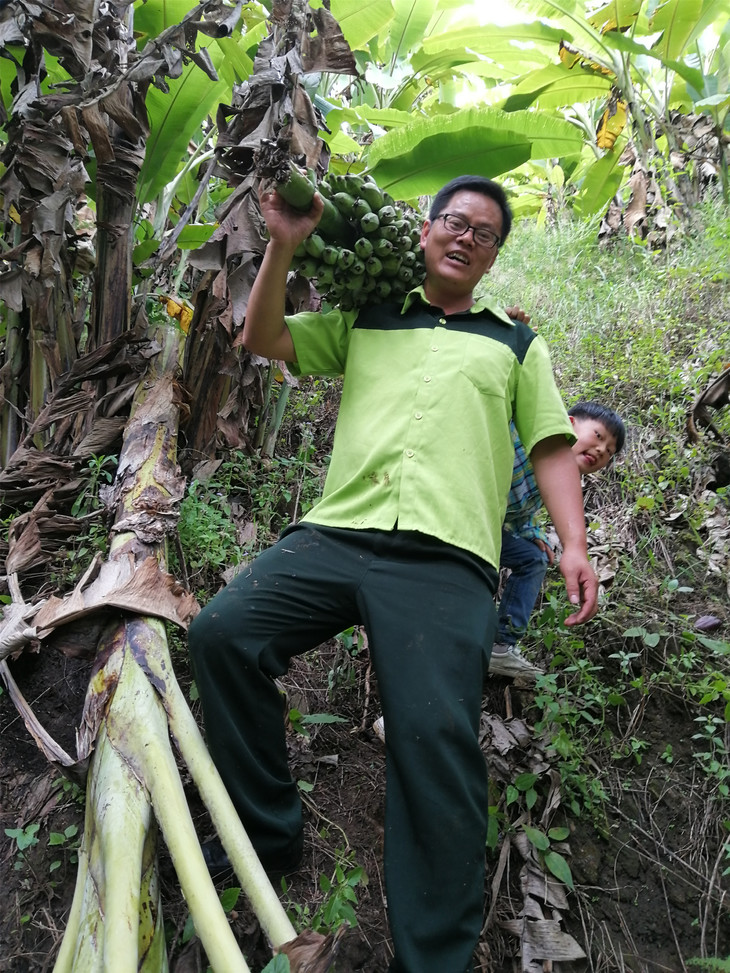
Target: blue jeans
(528,565)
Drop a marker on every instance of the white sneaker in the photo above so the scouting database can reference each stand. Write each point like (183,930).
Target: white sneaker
(511,662)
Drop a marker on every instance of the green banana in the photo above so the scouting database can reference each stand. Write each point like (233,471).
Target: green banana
(345,203)
(369,223)
(308,267)
(352,183)
(325,275)
(372,193)
(360,207)
(382,247)
(364,248)
(374,266)
(389,232)
(330,255)
(314,245)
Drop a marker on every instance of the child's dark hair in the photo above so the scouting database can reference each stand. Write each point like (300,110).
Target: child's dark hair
(610,419)
(476,184)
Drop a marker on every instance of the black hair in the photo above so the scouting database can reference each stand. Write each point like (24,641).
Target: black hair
(610,419)
(477,184)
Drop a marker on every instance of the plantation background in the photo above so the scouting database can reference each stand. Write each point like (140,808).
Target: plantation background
(631,715)
(145,455)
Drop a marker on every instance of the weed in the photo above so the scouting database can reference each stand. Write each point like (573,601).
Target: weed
(71,563)
(339,898)
(342,672)
(300,722)
(228,899)
(24,838)
(67,841)
(552,859)
(714,759)
(279,964)
(709,965)
(96,475)
(231,516)
(70,789)
(524,784)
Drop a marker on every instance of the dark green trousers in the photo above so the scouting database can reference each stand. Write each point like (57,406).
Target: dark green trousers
(429,614)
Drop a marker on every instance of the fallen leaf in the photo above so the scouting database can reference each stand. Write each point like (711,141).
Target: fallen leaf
(706,623)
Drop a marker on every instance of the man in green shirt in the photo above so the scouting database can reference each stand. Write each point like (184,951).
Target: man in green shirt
(405,541)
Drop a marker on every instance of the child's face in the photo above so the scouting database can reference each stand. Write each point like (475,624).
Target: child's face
(595,445)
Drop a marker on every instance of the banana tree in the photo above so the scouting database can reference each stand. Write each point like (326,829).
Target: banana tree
(112,151)
(616,74)
(122,196)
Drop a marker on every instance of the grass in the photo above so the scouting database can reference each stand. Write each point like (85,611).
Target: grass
(644,333)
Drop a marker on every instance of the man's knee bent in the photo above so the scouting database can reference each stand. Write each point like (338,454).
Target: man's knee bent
(209,636)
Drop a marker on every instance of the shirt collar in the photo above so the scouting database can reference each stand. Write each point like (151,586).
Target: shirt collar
(485,303)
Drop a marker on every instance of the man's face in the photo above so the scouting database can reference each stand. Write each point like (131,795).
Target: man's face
(595,446)
(458,262)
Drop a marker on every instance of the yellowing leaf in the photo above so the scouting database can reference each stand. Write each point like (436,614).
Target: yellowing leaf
(186,316)
(618,15)
(173,308)
(570,56)
(612,123)
(178,310)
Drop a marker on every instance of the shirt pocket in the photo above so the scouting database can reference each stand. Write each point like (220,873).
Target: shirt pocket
(489,366)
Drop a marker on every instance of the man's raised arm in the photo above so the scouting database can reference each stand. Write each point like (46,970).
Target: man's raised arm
(264,329)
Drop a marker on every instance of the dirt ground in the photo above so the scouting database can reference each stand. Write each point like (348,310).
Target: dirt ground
(649,890)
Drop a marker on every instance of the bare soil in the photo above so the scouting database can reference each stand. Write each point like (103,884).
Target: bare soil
(649,890)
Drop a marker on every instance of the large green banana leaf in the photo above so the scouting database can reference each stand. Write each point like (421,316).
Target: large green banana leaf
(601,181)
(174,119)
(150,19)
(502,44)
(681,23)
(555,87)
(408,27)
(419,158)
(361,20)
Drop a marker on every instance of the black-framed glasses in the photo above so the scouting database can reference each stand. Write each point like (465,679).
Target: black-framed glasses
(457,225)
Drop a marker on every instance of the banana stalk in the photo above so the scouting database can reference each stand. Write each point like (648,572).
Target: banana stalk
(254,881)
(133,706)
(133,770)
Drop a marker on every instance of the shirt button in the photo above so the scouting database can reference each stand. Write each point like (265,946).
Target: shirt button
(434,347)
(409,453)
(419,415)
(426,378)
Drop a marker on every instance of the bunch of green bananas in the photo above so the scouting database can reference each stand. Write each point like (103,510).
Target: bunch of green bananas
(371,255)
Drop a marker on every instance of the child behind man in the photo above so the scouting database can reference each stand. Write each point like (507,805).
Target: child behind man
(526,551)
